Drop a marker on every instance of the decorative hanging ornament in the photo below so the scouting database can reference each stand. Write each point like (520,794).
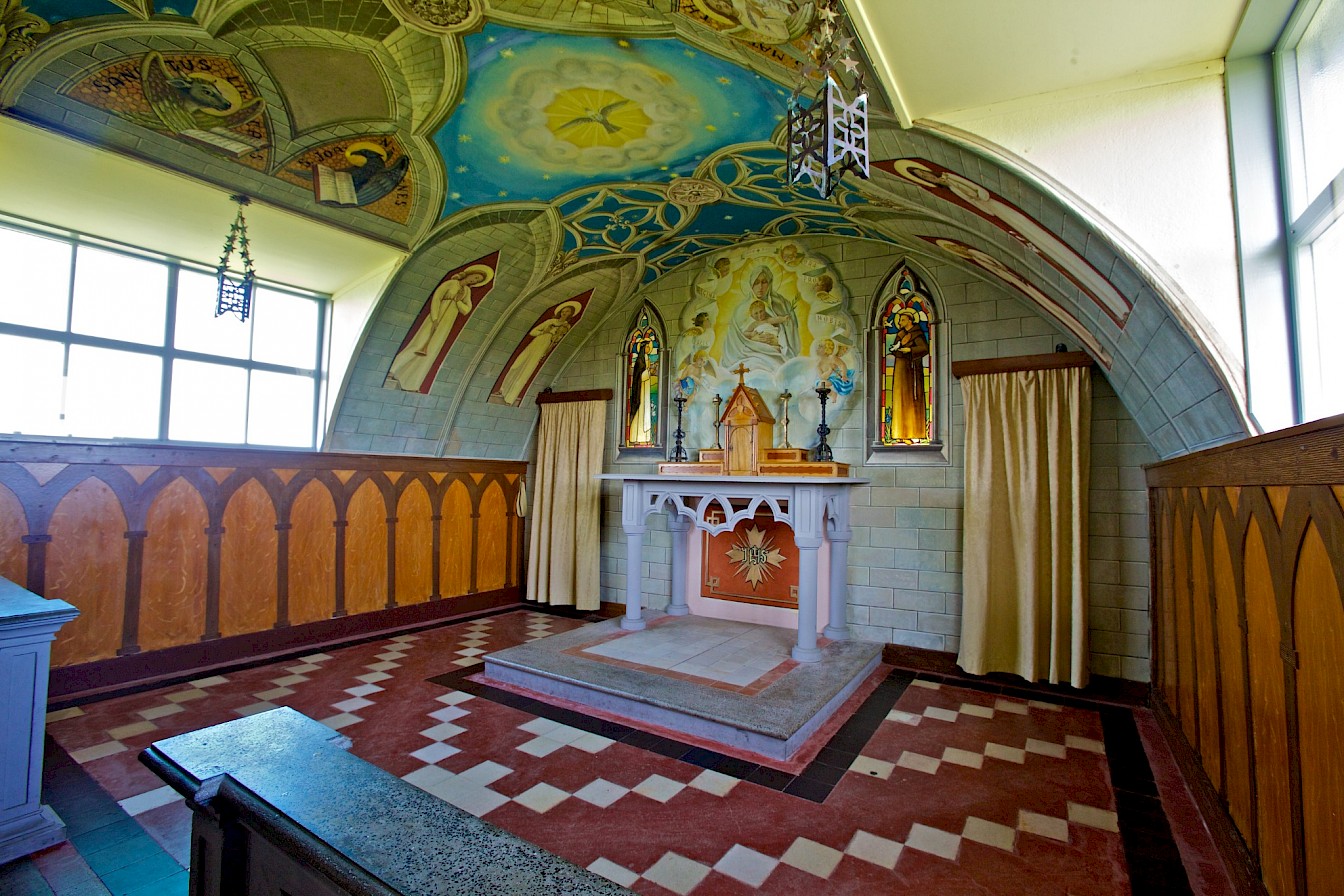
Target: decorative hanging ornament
(235,290)
(828,136)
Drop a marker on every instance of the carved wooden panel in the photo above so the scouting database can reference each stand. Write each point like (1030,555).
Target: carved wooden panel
(1319,624)
(249,554)
(1248,577)
(455,541)
(161,547)
(172,597)
(492,556)
(415,546)
(312,555)
(366,551)
(86,566)
(13,526)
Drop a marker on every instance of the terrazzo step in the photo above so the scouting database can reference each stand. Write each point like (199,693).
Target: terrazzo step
(774,722)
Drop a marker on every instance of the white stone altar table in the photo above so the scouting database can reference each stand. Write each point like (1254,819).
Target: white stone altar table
(816,508)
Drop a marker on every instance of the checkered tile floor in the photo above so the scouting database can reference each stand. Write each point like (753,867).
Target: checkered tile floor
(928,788)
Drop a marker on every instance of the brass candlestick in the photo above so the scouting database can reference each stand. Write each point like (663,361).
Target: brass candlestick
(718,403)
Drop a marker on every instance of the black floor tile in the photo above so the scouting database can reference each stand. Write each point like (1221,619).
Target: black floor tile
(808,789)
(734,767)
(141,874)
(702,757)
(822,773)
(836,756)
(772,778)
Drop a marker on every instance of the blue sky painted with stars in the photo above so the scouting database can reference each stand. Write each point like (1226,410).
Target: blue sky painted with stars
(512,138)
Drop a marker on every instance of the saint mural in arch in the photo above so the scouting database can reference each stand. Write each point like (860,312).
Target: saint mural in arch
(542,338)
(441,318)
(780,311)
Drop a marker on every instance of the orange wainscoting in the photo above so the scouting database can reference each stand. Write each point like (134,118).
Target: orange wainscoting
(162,548)
(1248,589)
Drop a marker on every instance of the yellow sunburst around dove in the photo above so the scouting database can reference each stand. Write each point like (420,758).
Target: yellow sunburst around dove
(756,557)
(586,116)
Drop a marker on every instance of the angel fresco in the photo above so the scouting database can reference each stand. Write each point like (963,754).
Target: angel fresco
(759,21)
(536,347)
(440,320)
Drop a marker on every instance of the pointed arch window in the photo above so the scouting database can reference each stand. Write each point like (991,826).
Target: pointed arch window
(643,371)
(906,369)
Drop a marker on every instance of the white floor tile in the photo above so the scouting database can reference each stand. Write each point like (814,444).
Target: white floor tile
(874,849)
(989,833)
(153,799)
(1043,825)
(541,798)
(435,752)
(656,787)
(813,857)
(677,873)
(713,782)
(746,865)
(615,873)
(601,793)
(933,841)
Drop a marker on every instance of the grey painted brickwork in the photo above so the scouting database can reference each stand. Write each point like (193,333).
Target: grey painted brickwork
(905,557)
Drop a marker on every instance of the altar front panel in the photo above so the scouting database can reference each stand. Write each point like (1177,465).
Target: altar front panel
(755,563)
(704,604)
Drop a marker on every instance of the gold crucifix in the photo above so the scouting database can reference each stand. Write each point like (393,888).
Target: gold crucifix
(742,371)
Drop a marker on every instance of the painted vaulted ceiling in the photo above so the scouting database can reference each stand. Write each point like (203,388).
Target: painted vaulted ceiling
(595,145)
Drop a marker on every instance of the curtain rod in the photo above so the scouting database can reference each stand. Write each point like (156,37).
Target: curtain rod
(1051,361)
(549,397)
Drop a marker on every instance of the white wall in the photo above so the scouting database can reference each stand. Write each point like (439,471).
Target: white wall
(1150,156)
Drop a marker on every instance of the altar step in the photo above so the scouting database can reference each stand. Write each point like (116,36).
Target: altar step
(732,683)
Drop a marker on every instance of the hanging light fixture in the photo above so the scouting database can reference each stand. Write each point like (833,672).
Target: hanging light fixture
(828,136)
(235,290)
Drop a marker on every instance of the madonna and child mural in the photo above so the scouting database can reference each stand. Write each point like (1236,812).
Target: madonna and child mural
(781,313)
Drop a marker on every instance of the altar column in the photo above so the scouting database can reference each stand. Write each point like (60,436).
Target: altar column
(839,535)
(680,527)
(632,521)
(808,512)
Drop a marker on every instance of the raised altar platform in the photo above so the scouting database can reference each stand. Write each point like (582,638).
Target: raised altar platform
(733,683)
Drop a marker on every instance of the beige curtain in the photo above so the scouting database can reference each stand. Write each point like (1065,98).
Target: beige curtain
(564,550)
(1024,579)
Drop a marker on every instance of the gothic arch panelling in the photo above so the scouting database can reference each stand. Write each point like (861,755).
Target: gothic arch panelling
(161,548)
(1266,725)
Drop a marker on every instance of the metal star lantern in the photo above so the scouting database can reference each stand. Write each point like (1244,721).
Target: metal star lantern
(829,135)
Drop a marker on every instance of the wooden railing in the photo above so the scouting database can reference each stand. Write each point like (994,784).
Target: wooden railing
(1248,618)
(166,549)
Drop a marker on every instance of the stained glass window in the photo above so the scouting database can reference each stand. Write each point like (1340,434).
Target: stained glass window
(643,357)
(905,397)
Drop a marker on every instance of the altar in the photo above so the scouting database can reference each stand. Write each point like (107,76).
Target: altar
(815,508)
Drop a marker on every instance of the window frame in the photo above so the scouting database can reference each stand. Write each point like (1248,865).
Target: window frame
(1306,217)
(167,352)
(658,450)
(937,451)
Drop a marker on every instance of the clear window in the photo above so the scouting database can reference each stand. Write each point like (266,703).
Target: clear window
(1311,85)
(103,352)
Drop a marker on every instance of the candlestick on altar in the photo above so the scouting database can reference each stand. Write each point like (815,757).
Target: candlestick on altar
(784,397)
(718,403)
(679,453)
(823,452)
